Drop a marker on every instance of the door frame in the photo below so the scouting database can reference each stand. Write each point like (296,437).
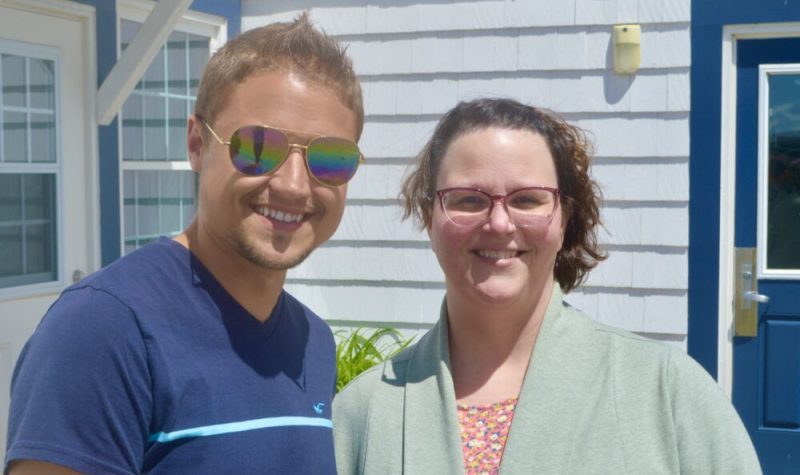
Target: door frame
(726,291)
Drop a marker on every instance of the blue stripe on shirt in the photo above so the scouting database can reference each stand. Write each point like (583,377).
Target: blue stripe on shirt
(218,429)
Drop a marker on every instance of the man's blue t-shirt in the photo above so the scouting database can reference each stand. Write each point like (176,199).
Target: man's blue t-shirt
(150,366)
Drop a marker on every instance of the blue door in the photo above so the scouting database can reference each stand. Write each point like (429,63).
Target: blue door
(766,379)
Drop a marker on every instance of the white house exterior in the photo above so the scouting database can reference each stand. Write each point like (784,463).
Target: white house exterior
(418,59)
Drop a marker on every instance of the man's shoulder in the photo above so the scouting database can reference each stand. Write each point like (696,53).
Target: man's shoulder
(137,268)
(114,296)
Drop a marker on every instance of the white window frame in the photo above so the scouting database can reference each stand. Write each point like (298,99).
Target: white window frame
(50,54)
(764,72)
(196,23)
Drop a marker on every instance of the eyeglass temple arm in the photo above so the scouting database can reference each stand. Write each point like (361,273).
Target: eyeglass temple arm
(208,126)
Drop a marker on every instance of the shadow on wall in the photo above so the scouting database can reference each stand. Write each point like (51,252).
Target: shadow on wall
(615,86)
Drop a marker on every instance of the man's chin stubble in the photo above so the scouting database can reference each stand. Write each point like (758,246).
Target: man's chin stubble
(254,256)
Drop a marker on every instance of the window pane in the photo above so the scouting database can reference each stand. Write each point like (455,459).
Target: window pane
(198,57)
(155,132)
(157,203)
(10,198)
(40,249)
(177,129)
(43,138)
(155,75)
(170,200)
(10,253)
(147,202)
(27,229)
(132,128)
(39,194)
(783,222)
(15,137)
(13,80)
(42,83)
(176,63)
(129,203)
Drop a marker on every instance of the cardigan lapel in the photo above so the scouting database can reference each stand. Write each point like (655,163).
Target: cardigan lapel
(432,439)
(554,417)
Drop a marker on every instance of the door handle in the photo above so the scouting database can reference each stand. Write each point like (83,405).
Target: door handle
(754,297)
(747,296)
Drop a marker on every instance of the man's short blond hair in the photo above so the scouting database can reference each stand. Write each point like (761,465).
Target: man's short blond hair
(293,48)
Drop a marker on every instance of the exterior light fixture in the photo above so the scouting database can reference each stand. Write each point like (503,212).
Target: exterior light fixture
(627,48)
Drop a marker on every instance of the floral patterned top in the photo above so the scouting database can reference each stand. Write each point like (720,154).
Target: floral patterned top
(484,431)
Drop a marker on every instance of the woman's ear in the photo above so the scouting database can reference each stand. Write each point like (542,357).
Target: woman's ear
(195,142)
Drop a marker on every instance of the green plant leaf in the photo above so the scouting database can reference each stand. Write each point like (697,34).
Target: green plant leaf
(360,350)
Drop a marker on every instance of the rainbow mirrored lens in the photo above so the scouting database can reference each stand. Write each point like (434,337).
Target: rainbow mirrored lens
(333,161)
(257,150)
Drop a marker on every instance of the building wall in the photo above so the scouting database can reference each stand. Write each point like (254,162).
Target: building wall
(417,60)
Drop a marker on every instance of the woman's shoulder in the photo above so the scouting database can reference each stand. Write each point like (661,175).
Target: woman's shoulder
(601,336)
(639,358)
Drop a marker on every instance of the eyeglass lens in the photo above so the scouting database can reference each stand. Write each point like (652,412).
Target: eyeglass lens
(525,207)
(257,150)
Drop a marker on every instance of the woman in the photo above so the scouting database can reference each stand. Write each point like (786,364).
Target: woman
(512,379)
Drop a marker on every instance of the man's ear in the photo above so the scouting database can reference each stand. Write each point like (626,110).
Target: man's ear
(195,142)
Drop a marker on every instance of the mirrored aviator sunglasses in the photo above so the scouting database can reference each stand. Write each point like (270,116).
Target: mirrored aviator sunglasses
(259,150)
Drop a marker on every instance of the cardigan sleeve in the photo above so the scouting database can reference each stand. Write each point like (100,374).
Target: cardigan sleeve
(710,435)
(350,414)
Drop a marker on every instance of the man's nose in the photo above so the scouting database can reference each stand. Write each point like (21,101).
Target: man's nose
(292,178)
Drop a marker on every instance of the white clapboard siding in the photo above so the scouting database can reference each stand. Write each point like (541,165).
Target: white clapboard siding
(385,16)
(564,91)
(635,134)
(530,49)
(416,60)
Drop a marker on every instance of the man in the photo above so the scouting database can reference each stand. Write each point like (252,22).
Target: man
(187,356)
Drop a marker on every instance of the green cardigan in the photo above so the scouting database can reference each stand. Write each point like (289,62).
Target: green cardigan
(595,400)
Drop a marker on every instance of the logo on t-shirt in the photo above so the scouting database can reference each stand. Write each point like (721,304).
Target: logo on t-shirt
(318,407)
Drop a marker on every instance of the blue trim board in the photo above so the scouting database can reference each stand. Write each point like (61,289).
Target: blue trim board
(704,185)
(229,9)
(708,18)
(107,136)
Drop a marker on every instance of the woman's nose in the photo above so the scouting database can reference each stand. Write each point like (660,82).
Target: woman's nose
(500,219)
